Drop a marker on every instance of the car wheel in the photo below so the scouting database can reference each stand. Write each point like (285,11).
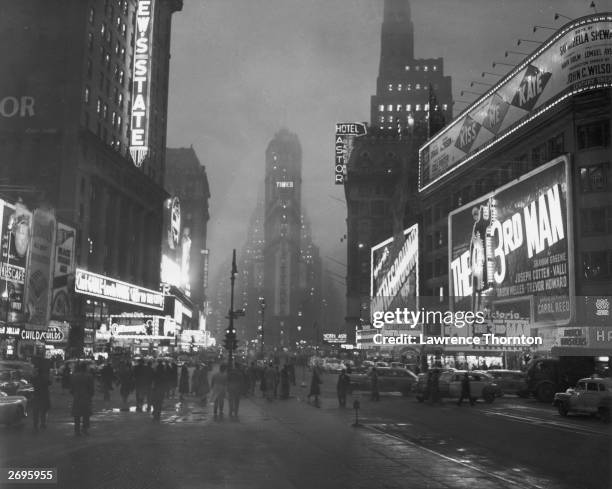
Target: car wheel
(562,408)
(545,393)
(604,414)
(489,397)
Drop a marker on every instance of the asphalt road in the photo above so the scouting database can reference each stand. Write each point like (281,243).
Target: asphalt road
(400,443)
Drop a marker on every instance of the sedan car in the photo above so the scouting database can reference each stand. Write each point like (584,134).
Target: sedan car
(591,395)
(510,381)
(389,380)
(13,409)
(449,385)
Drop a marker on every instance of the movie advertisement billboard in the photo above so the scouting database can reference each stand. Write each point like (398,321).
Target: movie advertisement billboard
(394,279)
(63,273)
(15,225)
(577,58)
(39,273)
(511,253)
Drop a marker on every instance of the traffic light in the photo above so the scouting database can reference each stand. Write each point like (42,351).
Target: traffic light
(230,340)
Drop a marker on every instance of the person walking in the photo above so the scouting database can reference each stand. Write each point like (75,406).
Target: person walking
(184,382)
(107,377)
(465,390)
(82,390)
(126,383)
(66,378)
(284,382)
(276,380)
(148,384)
(270,381)
(159,387)
(41,399)
(219,387)
(374,380)
(252,378)
(235,386)
(142,383)
(315,386)
(342,387)
(173,379)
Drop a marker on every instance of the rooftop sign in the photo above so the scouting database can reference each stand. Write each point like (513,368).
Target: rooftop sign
(575,59)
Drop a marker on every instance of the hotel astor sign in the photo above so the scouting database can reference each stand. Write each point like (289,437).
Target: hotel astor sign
(89,283)
(141,87)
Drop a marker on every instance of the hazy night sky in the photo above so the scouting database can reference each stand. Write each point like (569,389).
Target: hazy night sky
(242,69)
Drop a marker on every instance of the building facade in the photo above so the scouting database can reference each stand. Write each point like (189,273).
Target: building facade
(88,80)
(517,205)
(413,99)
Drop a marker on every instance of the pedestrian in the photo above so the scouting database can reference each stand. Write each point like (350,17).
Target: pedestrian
(291,372)
(262,382)
(219,387)
(284,382)
(435,386)
(66,378)
(125,376)
(315,386)
(82,390)
(41,399)
(271,383)
(374,381)
(252,378)
(173,378)
(107,377)
(142,383)
(184,382)
(465,390)
(342,387)
(235,386)
(158,390)
(204,385)
(149,373)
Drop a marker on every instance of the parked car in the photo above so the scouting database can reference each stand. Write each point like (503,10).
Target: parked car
(510,381)
(449,385)
(13,409)
(382,364)
(389,380)
(590,396)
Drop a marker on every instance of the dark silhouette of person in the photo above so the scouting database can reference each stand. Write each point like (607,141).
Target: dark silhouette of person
(82,390)
(41,399)
(342,387)
(465,390)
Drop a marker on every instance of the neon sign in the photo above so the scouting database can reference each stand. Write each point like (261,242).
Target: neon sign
(141,86)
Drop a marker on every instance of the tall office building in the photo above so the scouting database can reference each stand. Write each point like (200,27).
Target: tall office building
(83,128)
(282,229)
(413,99)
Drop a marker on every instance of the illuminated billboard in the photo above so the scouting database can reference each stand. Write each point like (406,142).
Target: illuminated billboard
(343,143)
(511,253)
(63,273)
(141,85)
(394,279)
(575,59)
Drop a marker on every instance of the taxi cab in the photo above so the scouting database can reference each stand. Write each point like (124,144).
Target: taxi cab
(592,395)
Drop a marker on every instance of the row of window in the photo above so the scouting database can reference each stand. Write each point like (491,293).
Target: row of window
(400,107)
(595,178)
(400,87)
(419,67)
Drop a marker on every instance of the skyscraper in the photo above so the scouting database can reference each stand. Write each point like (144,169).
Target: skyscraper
(282,229)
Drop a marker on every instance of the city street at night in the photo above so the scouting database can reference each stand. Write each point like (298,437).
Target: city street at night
(512,443)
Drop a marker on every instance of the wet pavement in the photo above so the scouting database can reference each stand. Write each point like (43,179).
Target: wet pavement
(293,444)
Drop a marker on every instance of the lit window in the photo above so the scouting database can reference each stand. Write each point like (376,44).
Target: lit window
(123,30)
(398,108)
(434,67)
(408,107)
(103,29)
(381,108)
(426,107)
(120,103)
(119,122)
(407,68)
(425,68)
(409,87)
(86,96)
(390,87)
(444,106)
(417,107)
(121,77)
(417,67)
(118,21)
(382,118)
(90,41)
(418,86)
(390,108)
(104,111)
(399,87)
(92,14)
(114,118)
(99,105)
(390,118)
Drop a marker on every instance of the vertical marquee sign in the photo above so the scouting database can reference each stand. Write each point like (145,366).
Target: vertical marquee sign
(141,87)
(345,132)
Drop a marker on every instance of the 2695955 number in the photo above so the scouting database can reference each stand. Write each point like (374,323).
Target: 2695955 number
(28,475)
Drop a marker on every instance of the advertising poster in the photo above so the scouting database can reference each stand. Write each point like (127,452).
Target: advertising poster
(574,60)
(15,228)
(63,273)
(39,274)
(511,254)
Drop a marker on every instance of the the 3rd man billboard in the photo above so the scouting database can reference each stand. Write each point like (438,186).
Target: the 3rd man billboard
(513,247)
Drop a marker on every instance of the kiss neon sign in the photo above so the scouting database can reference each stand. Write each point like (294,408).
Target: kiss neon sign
(141,86)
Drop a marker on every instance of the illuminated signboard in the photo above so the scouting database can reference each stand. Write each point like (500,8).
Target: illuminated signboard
(61,303)
(511,253)
(394,271)
(345,132)
(287,184)
(109,288)
(573,60)
(141,86)
(334,338)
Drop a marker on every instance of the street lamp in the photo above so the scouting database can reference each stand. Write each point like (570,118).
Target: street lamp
(262,306)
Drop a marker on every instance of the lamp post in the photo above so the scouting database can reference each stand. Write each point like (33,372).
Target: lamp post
(262,306)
